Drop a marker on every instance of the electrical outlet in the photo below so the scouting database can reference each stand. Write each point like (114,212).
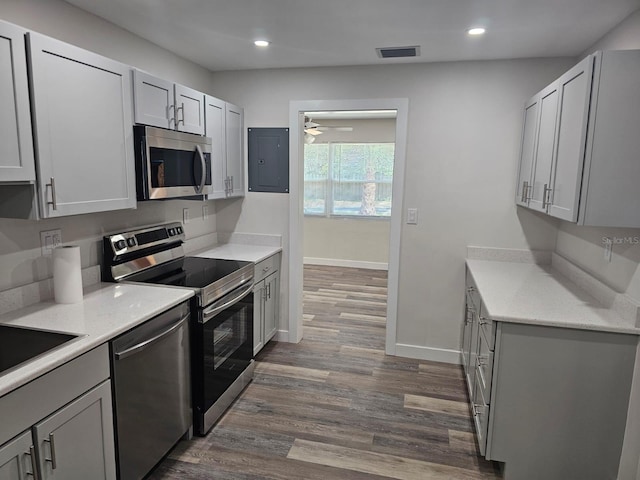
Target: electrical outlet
(412,216)
(50,240)
(205,212)
(608,247)
(185,215)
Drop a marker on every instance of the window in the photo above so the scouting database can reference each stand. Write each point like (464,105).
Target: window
(348,179)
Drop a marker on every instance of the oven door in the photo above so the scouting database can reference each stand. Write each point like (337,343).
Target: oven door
(172,164)
(222,347)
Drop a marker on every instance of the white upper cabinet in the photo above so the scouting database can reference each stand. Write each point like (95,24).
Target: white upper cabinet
(235,171)
(164,104)
(154,100)
(82,112)
(215,129)
(529,132)
(574,94)
(16,145)
(189,110)
(543,158)
(224,126)
(585,168)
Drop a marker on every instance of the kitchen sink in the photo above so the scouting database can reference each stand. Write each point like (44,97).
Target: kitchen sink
(18,345)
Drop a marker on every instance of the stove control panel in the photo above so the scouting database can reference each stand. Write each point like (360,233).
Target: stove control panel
(136,240)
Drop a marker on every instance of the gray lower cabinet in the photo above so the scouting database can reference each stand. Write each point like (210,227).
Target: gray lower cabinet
(61,424)
(549,402)
(266,294)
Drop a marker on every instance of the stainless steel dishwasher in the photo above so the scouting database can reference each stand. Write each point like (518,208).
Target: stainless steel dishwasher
(152,391)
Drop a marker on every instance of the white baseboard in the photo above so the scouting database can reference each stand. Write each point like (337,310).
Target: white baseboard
(337,262)
(281,336)
(429,353)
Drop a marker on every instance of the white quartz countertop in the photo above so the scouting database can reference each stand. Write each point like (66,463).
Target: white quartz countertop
(538,294)
(238,251)
(106,311)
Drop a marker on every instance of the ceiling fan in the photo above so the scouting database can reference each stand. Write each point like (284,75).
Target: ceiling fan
(311,129)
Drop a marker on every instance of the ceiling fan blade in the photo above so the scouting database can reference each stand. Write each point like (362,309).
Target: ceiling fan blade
(312,131)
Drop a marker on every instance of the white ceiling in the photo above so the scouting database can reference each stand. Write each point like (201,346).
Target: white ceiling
(219,34)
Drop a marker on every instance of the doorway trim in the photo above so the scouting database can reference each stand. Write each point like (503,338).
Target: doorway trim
(296,216)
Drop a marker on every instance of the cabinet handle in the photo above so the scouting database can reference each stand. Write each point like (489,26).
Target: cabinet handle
(181,107)
(226,186)
(525,186)
(482,360)
(483,321)
(172,118)
(268,290)
(34,463)
(231,185)
(529,193)
(470,289)
(545,196)
(477,409)
(52,447)
(52,184)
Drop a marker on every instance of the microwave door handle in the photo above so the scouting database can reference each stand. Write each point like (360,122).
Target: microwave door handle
(203,177)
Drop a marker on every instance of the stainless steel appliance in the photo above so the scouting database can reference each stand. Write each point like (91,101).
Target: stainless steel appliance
(222,310)
(151,389)
(171,164)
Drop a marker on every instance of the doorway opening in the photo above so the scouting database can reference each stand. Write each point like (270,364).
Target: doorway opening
(343,195)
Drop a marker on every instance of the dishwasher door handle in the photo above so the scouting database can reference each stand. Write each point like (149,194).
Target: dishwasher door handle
(147,343)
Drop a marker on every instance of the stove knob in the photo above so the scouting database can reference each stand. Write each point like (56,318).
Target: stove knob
(131,242)
(172,232)
(120,244)
(179,229)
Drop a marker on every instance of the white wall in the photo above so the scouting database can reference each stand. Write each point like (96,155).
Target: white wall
(20,256)
(464,130)
(583,246)
(348,239)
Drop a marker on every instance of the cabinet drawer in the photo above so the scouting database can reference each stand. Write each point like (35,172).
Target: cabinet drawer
(267,267)
(488,328)
(484,366)
(480,410)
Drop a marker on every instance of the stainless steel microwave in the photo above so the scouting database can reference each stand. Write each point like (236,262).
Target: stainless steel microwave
(171,164)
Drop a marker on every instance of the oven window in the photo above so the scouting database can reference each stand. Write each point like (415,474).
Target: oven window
(228,337)
(177,168)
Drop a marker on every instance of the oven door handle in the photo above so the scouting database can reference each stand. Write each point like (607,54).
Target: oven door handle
(215,309)
(203,163)
(147,343)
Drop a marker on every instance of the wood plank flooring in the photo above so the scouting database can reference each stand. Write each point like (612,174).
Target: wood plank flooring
(335,406)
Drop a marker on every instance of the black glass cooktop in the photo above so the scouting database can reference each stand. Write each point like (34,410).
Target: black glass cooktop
(198,272)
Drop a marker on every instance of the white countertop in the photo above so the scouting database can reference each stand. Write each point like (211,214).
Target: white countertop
(538,294)
(239,251)
(107,310)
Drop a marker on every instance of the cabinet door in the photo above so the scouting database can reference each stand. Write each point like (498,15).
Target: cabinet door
(259,291)
(215,129)
(575,94)
(189,110)
(83,129)
(76,442)
(235,159)
(544,149)
(529,131)
(154,100)
(16,144)
(271,306)
(15,458)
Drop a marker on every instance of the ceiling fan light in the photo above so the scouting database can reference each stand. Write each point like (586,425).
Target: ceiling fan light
(261,43)
(309,139)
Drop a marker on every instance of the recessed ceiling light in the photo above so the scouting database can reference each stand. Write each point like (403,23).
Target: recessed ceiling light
(261,43)
(476,31)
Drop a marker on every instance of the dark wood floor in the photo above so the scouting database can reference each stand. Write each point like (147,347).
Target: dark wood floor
(335,406)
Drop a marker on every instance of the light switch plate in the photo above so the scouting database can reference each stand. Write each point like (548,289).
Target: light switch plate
(412,216)
(50,240)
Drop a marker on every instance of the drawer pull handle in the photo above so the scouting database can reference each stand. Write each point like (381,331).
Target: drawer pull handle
(34,463)
(484,321)
(266,269)
(482,360)
(52,447)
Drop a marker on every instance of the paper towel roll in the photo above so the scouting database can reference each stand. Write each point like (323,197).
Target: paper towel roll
(67,279)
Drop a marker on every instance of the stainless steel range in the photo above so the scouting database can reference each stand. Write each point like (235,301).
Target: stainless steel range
(222,310)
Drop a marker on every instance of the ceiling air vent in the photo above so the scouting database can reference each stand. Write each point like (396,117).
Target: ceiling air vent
(398,52)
